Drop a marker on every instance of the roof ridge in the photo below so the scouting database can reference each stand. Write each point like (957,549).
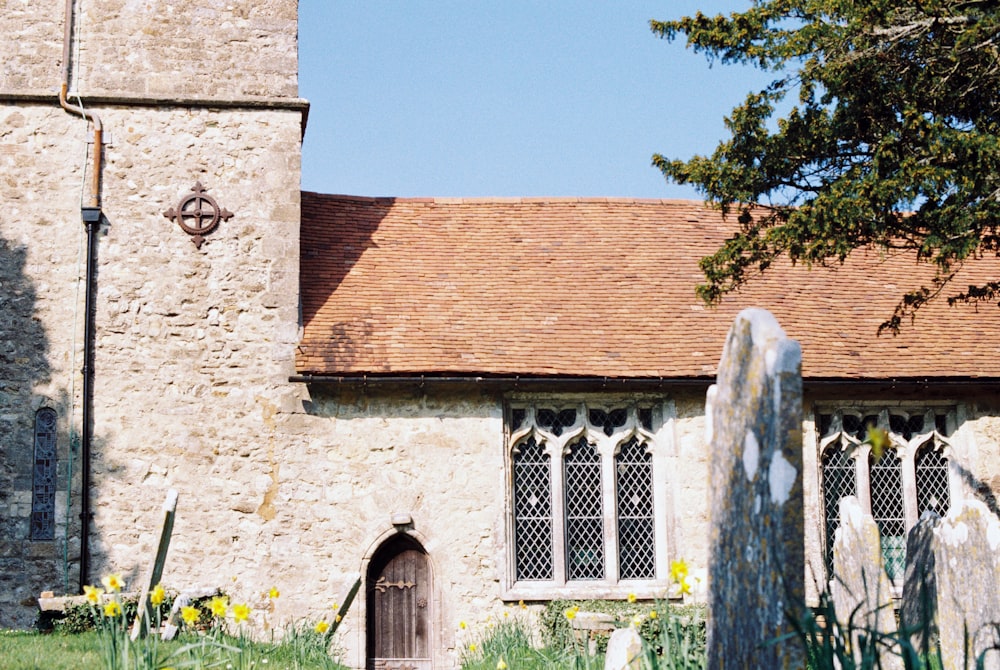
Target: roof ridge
(504,200)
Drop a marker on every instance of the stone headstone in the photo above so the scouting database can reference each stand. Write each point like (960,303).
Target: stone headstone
(967,576)
(624,650)
(756,553)
(917,612)
(861,590)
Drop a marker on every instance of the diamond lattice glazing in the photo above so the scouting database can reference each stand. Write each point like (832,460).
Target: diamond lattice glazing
(887,509)
(932,481)
(532,512)
(636,547)
(584,512)
(839,481)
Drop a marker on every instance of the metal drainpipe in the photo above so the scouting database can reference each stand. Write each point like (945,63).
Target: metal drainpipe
(90,213)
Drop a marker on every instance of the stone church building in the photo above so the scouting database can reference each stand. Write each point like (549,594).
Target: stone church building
(467,402)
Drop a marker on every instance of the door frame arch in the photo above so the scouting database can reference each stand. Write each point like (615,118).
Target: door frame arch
(389,544)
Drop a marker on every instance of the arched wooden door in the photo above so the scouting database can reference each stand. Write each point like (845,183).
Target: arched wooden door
(399,607)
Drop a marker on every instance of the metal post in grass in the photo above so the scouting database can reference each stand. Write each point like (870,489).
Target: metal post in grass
(144,610)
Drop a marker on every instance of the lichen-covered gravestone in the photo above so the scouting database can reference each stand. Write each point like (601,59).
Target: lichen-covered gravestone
(861,591)
(756,568)
(967,577)
(917,611)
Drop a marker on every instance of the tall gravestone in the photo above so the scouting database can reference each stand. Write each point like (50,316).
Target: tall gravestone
(917,613)
(756,560)
(967,579)
(861,590)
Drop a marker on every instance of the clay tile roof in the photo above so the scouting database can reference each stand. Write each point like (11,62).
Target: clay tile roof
(594,287)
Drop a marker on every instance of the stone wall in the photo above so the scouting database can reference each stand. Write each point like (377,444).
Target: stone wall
(193,346)
(214,49)
(438,457)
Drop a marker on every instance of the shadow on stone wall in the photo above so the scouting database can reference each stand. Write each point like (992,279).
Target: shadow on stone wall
(30,566)
(26,566)
(980,489)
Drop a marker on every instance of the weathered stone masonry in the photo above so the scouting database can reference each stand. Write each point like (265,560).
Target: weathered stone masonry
(193,348)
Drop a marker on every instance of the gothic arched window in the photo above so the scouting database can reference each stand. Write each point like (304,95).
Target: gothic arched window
(43,476)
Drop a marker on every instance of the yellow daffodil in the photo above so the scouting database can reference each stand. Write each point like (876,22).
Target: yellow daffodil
(501,665)
(113,583)
(335,606)
(336,619)
(157,595)
(472,647)
(190,615)
(241,612)
(685,586)
(520,603)
(273,593)
(678,570)
(218,606)
(93,594)
(112,609)
(570,614)
(505,614)
(636,621)
(461,624)
(653,614)
(321,627)
(631,598)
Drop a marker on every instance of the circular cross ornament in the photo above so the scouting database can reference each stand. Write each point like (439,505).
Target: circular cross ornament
(198,214)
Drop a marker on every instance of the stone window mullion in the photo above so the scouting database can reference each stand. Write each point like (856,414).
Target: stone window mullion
(608,483)
(909,477)
(558,515)
(863,477)
(580,458)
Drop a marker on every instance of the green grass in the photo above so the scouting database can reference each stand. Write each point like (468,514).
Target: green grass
(24,650)
(32,651)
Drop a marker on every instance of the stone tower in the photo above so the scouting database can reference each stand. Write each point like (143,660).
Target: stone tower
(178,376)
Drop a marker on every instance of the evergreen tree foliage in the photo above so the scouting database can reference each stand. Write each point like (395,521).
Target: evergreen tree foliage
(891,139)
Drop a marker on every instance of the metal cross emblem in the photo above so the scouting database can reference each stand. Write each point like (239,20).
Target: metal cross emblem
(198,214)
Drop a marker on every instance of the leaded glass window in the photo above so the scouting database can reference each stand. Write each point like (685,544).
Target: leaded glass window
(584,512)
(932,481)
(839,481)
(583,498)
(634,488)
(917,452)
(887,509)
(532,512)
(43,485)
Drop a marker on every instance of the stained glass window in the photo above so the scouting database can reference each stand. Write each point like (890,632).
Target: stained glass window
(43,485)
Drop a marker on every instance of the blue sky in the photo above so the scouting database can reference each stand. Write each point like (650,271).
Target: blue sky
(506,98)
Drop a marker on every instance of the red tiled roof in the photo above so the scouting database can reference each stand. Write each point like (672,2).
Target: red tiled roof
(594,287)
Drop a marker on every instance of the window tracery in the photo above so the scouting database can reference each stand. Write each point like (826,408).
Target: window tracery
(583,492)
(895,486)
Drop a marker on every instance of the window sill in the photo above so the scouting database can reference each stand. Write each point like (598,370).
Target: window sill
(586,591)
